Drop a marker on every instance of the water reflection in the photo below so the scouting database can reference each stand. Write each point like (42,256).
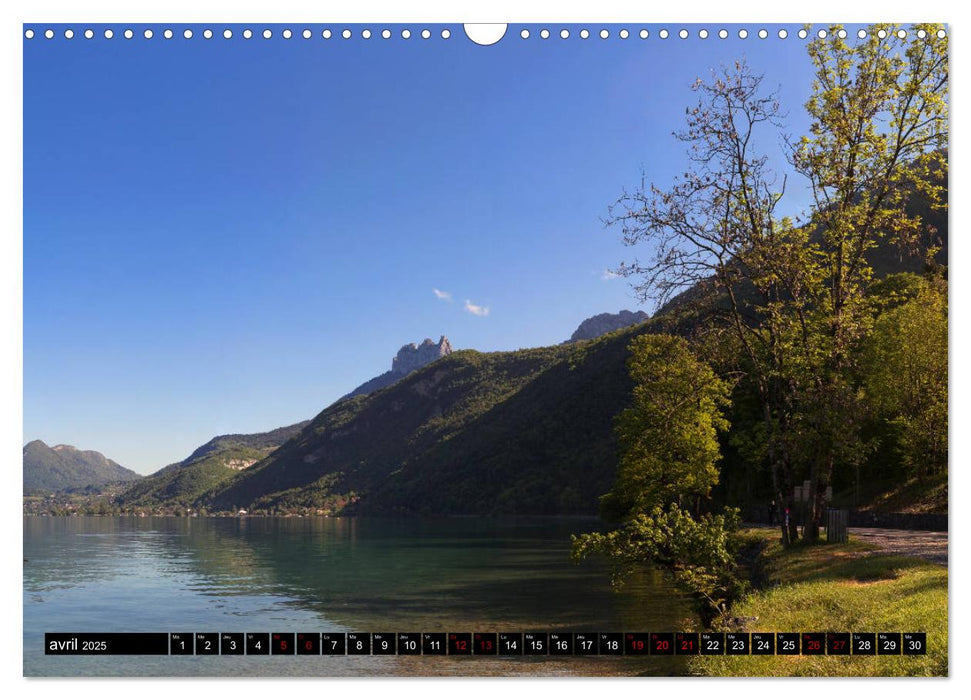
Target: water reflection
(169,574)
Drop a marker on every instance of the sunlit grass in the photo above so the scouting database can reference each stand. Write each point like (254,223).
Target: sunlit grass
(841,588)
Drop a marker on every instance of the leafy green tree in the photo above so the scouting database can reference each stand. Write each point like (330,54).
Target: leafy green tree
(716,231)
(905,377)
(794,294)
(669,455)
(698,552)
(894,290)
(669,436)
(878,135)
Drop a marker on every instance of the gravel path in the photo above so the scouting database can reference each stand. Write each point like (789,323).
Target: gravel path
(909,543)
(912,543)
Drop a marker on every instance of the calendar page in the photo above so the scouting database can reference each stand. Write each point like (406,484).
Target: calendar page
(422,348)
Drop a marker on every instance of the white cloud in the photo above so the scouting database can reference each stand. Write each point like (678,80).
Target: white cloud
(609,275)
(475,309)
(444,296)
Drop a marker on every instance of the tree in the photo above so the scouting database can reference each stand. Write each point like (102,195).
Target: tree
(878,135)
(905,377)
(698,552)
(794,297)
(668,437)
(669,456)
(716,230)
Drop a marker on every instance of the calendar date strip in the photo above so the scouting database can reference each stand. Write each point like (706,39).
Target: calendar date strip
(494,644)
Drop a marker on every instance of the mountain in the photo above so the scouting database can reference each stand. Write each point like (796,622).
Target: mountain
(529,431)
(215,462)
(194,479)
(596,326)
(64,467)
(269,440)
(524,432)
(408,359)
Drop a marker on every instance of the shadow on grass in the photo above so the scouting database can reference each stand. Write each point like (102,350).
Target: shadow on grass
(853,561)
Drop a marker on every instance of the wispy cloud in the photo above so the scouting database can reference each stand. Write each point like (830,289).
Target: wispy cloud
(444,296)
(475,309)
(609,275)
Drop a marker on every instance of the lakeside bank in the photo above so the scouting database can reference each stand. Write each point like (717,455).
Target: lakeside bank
(851,587)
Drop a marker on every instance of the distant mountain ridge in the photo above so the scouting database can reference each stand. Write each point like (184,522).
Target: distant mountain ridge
(65,467)
(598,325)
(270,439)
(207,467)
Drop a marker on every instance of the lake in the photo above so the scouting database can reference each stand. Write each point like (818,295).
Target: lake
(125,574)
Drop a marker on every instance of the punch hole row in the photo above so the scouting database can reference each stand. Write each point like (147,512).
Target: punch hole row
(447,33)
(245,34)
(725,34)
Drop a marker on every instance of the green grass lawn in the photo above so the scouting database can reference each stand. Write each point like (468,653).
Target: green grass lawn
(840,588)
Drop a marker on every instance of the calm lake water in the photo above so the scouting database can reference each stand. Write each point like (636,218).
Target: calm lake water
(104,574)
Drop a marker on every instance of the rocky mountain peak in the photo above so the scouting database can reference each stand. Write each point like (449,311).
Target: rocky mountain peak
(411,356)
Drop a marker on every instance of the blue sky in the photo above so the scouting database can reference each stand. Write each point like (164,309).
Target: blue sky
(225,236)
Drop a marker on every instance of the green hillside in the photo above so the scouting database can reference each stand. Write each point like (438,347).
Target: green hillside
(185,485)
(257,441)
(219,460)
(64,467)
(529,431)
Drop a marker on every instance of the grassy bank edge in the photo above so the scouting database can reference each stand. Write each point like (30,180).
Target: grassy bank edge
(837,588)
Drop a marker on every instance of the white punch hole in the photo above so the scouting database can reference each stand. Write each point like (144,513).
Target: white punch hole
(486,34)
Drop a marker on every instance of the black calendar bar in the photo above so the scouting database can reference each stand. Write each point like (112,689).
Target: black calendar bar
(106,643)
(490,644)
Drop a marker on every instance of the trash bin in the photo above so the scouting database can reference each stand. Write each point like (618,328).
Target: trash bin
(836,519)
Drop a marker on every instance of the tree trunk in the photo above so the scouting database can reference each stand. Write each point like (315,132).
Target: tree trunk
(810,530)
(790,534)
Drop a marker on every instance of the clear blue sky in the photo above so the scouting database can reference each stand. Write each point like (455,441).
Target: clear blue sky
(225,236)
